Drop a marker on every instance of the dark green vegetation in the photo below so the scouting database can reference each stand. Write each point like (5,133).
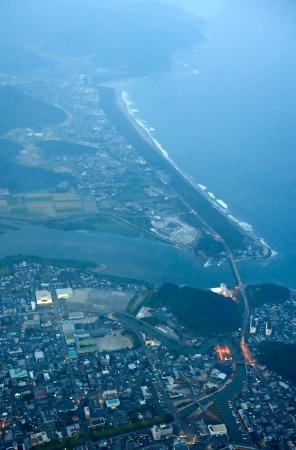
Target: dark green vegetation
(130,427)
(18,110)
(280,358)
(235,238)
(119,35)
(56,148)
(209,246)
(259,294)
(19,178)
(202,312)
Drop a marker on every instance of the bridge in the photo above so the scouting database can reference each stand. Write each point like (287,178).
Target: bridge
(241,288)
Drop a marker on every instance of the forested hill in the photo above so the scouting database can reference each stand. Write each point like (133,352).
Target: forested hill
(201,311)
(19,110)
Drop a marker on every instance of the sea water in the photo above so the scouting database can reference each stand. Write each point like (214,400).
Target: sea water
(226,113)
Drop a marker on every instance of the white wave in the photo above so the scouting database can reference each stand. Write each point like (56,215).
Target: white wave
(125,97)
(234,219)
(273,252)
(263,242)
(149,130)
(143,124)
(246,226)
(222,203)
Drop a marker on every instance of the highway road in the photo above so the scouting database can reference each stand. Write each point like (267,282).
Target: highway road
(242,290)
(140,326)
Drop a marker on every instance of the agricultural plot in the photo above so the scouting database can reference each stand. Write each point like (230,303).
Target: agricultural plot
(46,204)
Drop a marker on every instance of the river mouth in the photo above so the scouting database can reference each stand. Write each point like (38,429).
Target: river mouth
(123,256)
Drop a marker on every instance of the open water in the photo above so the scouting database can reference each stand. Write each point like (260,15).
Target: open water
(226,114)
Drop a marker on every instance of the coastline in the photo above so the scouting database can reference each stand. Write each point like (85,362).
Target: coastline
(126,107)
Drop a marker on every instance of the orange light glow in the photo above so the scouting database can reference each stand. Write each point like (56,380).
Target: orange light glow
(223,353)
(246,353)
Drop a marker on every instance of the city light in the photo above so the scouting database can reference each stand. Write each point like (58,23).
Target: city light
(246,353)
(223,353)
(189,438)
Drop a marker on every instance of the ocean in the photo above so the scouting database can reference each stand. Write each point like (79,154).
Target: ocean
(226,113)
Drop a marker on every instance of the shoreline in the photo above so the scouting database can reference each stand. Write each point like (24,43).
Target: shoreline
(127,108)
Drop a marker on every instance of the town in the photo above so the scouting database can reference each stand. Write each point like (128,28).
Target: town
(109,185)
(78,371)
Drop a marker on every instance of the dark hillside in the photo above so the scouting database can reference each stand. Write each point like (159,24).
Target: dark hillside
(52,149)
(203,312)
(18,110)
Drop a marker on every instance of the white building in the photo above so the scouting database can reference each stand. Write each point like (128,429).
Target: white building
(111,398)
(222,290)
(145,392)
(86,413)
(39,356)
(39,438)
(161,431)
(253,327)
(268,329)
(218,430)
(76,315)
(144,312)
(43,297)
(218,375)
(64,294)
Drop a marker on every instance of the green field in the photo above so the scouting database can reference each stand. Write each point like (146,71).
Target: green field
(129,427)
